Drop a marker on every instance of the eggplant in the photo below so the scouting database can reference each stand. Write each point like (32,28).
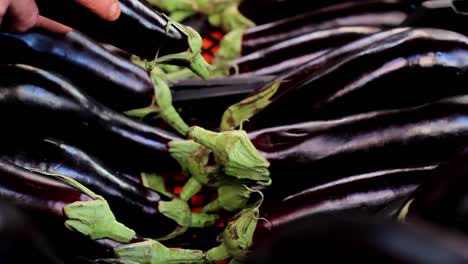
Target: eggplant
(139,30)
(448,14)
(110,79)
(442,200)
(387,13)
(273,10)
(137,206)
(284,66)
(230,120)
(34,96)
(60,199)
(355,237)
(54,107)
(277,9)
(373,78)
(63,200)
(302,48)
(366,193)
(202,103)
(249,234)
(23,242)
(322,151)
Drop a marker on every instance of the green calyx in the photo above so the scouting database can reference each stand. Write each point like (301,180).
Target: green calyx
(206,7)
(231,19)
(236,239)
(210,7)
(191,58)
(177,210)
(180,212)
(155,182)
(92,218)
(229,48)
(238,113)
(232,196)
(173,5)
(404,211)
(180,16)
(193,158)
(138,61)
(153,252)
(235,153)
(162,105)
(96,220)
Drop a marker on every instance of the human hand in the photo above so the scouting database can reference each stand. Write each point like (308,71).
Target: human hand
(22,15)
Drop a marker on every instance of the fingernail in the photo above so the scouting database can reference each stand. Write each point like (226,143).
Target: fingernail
(114,11)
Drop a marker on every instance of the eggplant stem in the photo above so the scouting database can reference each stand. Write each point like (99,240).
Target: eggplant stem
(247,108)
(211,207)
(235,153)
(154,252)
(155,182)
(236,239)
(191,187)
(404,211)
(201,220)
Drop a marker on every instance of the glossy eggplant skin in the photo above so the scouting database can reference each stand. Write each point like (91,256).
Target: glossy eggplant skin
(277,9)
(301,46)
(373,78)
(42,200)
(439,16)
(110,79)
(33,191)
(22,242)
(442,200)
(139,30)
(318,152)
(51,106)
(133,204)
(387,13)
(365,193)
(340,238)
(202,103)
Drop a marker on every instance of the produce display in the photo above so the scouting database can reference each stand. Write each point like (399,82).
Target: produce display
(237,131)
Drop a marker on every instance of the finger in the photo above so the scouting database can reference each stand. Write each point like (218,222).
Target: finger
(22,15)
(50,25)
(3,8)
(106,9)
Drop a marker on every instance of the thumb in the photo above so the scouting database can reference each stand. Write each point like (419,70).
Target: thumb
(106,9)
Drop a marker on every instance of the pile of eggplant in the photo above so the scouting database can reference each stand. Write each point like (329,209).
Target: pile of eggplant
(334,125)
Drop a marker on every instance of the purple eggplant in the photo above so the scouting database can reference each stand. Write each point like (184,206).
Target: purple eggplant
(447,14)
(140,30)
(355,237)
(301,49)
(52,106)
(61,200)
(136,206)
(202,102)
(279,9)
(365,193)
(58,198)
(387,13)
(442,200)
(338,235)
(318,152)
(110,79)
(372,78)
